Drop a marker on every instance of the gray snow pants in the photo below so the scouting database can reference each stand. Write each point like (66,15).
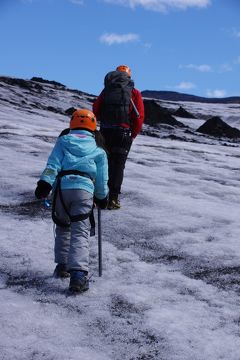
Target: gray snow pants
(72,243)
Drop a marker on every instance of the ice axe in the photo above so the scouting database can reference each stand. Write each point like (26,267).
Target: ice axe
(99,242)
(92,233)
(135,109)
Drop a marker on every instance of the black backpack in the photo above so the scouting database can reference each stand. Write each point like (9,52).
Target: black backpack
(117,95)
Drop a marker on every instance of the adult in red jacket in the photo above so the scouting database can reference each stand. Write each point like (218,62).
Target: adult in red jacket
(120,110)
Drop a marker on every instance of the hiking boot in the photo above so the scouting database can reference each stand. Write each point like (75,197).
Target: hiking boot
(79,281)
(114,204)
(61,271)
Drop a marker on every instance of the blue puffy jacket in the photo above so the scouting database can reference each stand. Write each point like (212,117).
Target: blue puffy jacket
(78,151)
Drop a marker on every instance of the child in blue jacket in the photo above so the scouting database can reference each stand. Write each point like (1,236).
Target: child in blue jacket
(77,170)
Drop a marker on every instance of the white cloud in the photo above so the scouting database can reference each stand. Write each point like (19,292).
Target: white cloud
(161,5)
(77,2)
(112,38)
(201,68)
(236,33)
(237,61)
(185,85)
(216,93)
(225,68)
(147,45)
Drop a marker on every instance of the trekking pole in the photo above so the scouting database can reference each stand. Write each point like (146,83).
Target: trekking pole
(99,243)
(135,109)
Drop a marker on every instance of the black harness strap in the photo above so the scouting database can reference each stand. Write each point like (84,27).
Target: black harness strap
(73,218)
(92,223)
(74,172)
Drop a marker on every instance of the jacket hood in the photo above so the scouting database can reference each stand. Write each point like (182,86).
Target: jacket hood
(78,143)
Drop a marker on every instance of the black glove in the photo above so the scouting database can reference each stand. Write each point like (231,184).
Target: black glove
(101,203)
(43,189)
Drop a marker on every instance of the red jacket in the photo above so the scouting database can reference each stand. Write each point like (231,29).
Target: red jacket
(137,122)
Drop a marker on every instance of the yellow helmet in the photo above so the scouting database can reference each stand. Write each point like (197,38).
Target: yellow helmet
(124,68)
(83,119)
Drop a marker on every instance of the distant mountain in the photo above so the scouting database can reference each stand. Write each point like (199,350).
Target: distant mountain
(40,94)
(176,96)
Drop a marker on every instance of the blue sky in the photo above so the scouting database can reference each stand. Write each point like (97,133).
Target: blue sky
(190,46)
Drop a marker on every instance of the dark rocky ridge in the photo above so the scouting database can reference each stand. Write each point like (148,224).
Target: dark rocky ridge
(35,84)
(41,94)
(44,81)
(155,114)
(25,84)
(218,128)
(181,112)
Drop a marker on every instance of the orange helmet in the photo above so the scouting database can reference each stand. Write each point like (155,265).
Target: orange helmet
(83,119)
(124,68)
